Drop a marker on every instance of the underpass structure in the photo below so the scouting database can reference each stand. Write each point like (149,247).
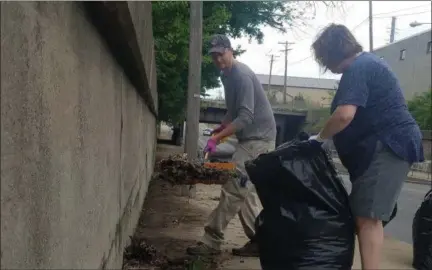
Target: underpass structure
(288,122)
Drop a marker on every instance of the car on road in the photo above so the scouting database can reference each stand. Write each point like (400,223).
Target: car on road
(207,132)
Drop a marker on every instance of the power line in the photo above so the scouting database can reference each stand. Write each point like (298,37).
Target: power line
(376,16)
(405,9)
(299,61)
(406,14)
(358,25)
(310,56)
(383,17)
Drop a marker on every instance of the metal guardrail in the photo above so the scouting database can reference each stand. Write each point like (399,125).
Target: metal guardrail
(424,167)
(427,134)
(221,104)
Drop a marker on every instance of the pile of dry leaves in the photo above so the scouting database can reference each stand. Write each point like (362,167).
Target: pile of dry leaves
(144,256)
(140,253)
(178,170)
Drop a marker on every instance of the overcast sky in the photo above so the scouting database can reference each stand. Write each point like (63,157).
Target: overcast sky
(354,15)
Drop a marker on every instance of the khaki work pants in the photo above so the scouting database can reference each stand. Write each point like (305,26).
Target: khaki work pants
(236,199)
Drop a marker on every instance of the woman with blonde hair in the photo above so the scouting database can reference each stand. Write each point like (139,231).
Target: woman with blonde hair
(375,135)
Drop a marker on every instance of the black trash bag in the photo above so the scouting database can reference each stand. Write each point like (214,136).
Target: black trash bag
(303,136)
(306,222)
(422,235)
(392,216)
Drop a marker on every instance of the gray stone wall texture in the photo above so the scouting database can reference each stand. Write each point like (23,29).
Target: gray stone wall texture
(77,141)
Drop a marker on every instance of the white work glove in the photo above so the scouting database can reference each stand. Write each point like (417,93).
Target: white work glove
(316,138)
(317,141)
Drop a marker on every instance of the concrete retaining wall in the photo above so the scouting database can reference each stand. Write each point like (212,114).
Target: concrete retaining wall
(77,141)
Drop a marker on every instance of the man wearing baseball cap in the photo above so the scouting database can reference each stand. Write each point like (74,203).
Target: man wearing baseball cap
(250,117)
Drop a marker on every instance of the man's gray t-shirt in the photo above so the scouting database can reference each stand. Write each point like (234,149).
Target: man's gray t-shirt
(247,105)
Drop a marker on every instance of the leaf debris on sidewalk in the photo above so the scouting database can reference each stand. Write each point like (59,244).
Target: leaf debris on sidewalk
(178,170)
(144,256)
(139,252)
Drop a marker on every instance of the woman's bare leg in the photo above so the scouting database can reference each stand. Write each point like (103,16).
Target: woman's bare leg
(370,234)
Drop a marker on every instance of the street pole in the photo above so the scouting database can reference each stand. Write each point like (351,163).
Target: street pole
(370,27)
(393,29)
(272,59)
(286,50)
(194,86)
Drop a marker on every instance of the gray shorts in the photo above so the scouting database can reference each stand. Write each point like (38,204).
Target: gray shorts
(374,194)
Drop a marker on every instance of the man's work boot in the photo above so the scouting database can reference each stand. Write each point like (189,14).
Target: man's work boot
(202,249)
(248,250)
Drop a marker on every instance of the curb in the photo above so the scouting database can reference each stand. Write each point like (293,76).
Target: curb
(418,181)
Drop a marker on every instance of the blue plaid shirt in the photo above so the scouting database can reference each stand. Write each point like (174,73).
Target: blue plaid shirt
(381,115)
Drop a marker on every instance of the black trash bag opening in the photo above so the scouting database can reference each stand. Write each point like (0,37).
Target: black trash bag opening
(392,216)
(312,177)
(422,235)
(306,222)
(304,136)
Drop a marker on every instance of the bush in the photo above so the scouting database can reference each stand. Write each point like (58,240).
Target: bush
(421,109)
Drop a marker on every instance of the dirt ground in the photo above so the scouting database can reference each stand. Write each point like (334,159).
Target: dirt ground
(171,223)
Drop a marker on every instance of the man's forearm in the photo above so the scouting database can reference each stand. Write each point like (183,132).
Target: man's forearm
(226,120)
(228,131)
(332,127)
(244,119)
(337,122)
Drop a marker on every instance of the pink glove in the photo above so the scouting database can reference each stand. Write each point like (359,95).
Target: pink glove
(211,146)
(218,129)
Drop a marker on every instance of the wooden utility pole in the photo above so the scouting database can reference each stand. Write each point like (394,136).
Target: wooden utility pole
(393,29)
(272,59)
(194,86)
(286,50)
(370,27)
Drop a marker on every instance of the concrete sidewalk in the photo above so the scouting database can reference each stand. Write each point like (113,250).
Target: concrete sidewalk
(172,223)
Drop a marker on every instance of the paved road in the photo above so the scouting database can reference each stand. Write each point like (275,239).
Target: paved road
(410,199)
(223,150)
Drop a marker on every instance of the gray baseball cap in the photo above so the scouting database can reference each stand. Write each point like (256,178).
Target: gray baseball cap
(219,43)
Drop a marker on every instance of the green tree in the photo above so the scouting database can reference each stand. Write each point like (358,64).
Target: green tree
(233,18)
(421,109)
